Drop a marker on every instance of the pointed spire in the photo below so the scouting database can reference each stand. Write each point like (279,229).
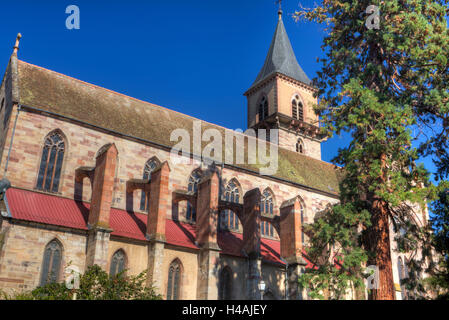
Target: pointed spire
(281,57)
(16,46)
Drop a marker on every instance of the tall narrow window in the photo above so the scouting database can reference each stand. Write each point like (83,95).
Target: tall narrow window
(194,179)
(149,167)
(51,163)
(402,276)
(297,109)
(118,263)
(228,219)
(51,264)
(263,109)
(174,280)
(225,284)
(302,225)
(266,208)
(300,146)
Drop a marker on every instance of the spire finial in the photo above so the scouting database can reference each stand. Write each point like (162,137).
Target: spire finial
(279,2)
(16,46)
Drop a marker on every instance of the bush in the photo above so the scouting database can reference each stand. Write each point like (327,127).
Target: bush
(95,284)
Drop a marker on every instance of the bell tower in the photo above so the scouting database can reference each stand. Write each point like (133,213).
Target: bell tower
(282,98)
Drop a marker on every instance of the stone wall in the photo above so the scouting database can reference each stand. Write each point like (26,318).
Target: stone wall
(23,249)
(289,138)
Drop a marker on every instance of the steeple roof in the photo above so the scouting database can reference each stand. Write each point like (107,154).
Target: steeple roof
(281,58)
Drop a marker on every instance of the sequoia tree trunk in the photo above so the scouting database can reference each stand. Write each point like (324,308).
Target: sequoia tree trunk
(378,242)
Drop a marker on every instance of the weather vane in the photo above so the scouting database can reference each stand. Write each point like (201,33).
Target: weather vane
(279,2)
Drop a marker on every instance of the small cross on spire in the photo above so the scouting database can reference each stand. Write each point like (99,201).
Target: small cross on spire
(16,46)
(279,2)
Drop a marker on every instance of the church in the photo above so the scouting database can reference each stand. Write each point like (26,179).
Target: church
(91,182)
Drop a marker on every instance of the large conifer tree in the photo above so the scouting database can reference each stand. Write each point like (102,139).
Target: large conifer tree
(378,84)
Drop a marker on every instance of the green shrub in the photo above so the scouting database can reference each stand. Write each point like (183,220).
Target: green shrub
(94,284)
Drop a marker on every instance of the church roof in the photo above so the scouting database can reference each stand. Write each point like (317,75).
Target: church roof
(281,58)
(58,94)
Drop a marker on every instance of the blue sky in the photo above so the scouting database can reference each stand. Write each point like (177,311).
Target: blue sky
(196,57)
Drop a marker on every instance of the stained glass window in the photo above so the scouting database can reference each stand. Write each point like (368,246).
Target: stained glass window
(229,220)
(174,278)
(51,163)
(149,167)
(118,263)
(266,208)
(51,263)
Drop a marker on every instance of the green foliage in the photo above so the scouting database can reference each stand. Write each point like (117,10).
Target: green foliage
(95,284)
(335,252)
(439,281)
(379,85)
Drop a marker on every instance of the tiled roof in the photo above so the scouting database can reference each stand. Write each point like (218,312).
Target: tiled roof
(54,210)
(46,209)
(281,59)
(62,95)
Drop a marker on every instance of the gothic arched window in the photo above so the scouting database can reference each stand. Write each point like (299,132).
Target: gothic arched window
(263,109)
(297,108)
(118,263)
(174,280)
(300,146)
(229,220)
(51,264)
(266,208)
(225,284)
(51,163)
(194,179)
(149,167)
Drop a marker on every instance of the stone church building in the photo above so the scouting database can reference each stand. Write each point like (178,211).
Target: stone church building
(92,183)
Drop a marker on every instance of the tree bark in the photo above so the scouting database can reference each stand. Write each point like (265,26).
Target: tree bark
(378,241)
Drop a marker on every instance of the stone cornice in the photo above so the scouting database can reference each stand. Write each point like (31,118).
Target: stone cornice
(281,76)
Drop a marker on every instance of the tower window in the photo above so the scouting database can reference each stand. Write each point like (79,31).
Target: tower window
(51,163)
(263,109)
(300,146)
(297,109)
